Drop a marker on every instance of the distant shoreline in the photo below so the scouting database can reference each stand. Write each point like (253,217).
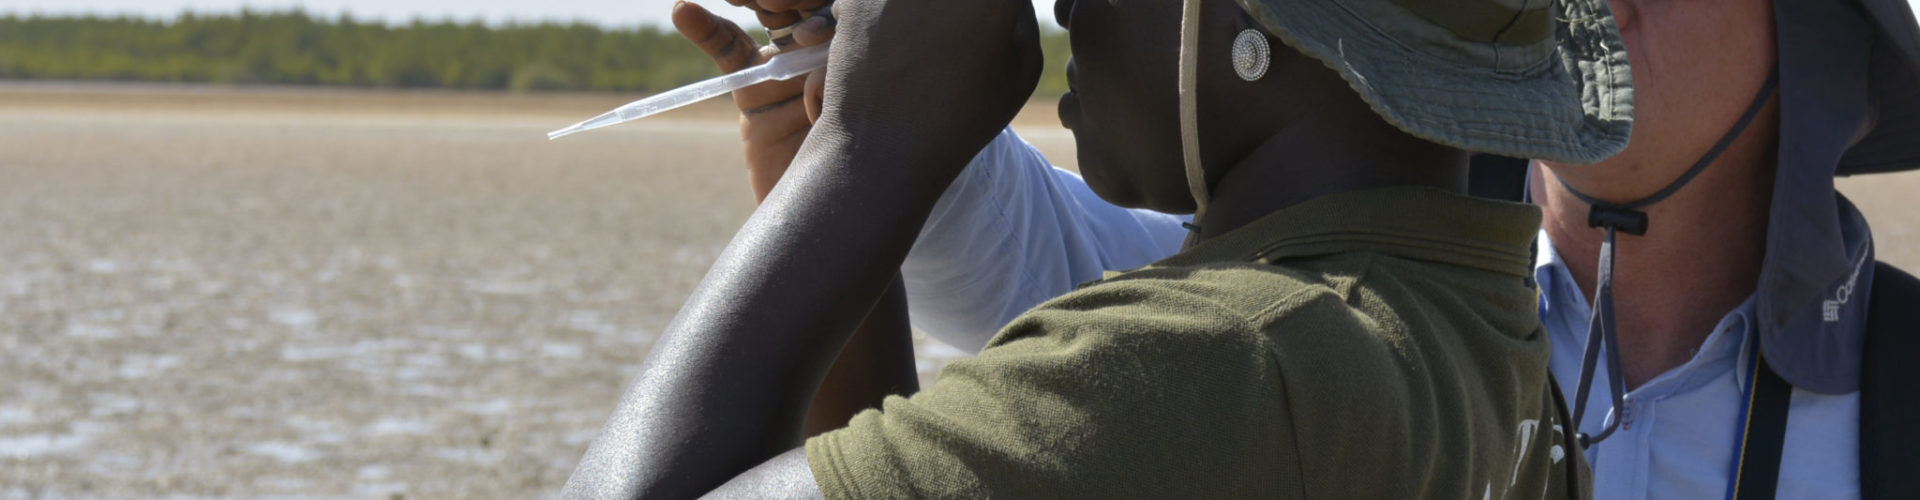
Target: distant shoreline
(226,100)
(144,87)
(219,99)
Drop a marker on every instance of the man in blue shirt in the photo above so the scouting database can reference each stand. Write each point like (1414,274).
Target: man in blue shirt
(1745,250)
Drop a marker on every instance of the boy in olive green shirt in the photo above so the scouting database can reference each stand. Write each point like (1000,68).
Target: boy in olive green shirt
(1344,323)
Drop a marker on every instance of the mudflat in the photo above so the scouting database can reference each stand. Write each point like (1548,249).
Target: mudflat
(214,292)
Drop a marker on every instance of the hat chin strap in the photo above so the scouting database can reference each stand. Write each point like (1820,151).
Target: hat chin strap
(1189,108)
(1629,218)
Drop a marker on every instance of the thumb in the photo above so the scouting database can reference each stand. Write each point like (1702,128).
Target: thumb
(815,96)
(721,39)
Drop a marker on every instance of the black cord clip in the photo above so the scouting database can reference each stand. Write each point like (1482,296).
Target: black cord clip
(1625,220)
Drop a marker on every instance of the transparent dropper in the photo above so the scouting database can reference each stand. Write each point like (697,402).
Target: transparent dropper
(784,66)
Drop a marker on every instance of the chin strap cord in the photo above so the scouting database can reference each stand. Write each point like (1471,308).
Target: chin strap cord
(1189,108)
(1617,218)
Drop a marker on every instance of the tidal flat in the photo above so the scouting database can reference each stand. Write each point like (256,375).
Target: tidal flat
(221,293)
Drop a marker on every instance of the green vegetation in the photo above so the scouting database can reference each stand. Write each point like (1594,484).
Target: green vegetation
(1053,81)
(293,48)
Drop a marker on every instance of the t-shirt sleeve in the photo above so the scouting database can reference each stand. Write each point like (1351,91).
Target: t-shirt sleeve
(1013,231)
(1129,392)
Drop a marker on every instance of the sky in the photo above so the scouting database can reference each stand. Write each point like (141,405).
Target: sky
(611,13)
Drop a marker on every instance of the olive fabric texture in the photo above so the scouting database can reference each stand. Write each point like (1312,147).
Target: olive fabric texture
(1370,344)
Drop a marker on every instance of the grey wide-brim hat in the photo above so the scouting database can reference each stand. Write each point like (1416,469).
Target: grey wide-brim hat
(1545,79)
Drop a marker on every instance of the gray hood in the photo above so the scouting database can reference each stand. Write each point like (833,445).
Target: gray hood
(1849,104)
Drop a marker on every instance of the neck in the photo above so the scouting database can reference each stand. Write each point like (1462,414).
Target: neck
(1300,163)
(1700,258)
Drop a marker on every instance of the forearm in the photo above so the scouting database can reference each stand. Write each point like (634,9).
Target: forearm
(877,362)
(729,383)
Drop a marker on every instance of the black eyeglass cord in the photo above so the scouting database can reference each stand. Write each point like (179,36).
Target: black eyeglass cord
(1628,218)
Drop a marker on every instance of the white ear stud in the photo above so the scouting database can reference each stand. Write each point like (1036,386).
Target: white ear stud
(1251,55)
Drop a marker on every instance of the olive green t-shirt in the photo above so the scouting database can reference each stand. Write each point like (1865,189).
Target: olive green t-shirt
(1372,344)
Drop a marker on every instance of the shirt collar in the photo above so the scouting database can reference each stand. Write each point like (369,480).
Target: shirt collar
(1563,307)
(1820,353)
(1549,271)
(1411,222)
(1723,350)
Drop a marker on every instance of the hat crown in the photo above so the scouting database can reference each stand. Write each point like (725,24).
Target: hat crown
(1508,36)
(1503,22)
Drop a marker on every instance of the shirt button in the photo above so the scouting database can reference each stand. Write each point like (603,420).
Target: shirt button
(1626,414)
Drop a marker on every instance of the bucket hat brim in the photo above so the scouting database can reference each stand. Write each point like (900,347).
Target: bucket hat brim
(1573,104)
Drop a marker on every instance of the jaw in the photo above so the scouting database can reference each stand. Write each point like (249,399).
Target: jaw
(1123,188)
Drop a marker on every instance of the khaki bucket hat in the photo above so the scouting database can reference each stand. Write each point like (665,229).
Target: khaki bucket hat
(1545,79)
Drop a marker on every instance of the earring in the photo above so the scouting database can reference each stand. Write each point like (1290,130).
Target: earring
(1251,55)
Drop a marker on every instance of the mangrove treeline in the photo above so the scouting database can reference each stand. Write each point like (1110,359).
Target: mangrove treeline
(294,48)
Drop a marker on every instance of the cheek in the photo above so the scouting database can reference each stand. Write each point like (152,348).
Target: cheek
(1132,114)
(1694,69)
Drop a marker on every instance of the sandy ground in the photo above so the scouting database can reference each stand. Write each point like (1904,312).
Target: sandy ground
(321,294)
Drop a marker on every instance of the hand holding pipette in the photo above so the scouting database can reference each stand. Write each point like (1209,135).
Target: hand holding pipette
(734,52)
(773,115)
(786,66)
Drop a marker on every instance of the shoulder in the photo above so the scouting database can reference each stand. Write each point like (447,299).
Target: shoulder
(1154,386)
(1226,303)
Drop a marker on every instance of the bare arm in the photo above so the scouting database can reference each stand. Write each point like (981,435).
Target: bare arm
(729,382)
(785,477)
(878,360)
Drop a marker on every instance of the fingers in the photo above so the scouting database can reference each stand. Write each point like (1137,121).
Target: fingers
(801,5)
(774,126)
(771,139)
(722,40)
(777,18)
(731,50)
(752,99)
(776,120)
(775,14)
(815,94)
(815,30)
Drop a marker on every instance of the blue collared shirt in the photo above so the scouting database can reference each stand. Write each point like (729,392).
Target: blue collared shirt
(1014,231)
(1678,431)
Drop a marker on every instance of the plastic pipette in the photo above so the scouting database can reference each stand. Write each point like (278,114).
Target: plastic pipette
(783,66)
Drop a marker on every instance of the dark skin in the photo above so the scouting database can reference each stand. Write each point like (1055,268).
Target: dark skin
(1265,145)
(878,361)
(727,386)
